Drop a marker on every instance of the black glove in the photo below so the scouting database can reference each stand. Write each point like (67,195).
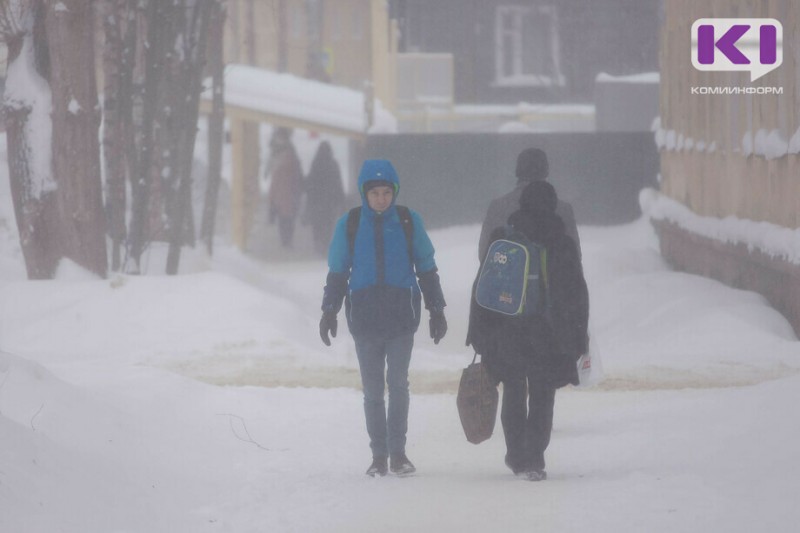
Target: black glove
(328,324)
(438,326)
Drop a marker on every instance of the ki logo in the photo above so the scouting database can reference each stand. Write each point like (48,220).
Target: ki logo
(740,44)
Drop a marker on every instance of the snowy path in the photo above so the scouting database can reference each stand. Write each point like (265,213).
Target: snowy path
(144,451)
(104,428)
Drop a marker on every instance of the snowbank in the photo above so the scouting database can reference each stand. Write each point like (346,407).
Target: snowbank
(770,144)
(771,239)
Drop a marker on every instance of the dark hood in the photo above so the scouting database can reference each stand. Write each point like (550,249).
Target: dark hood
(536,217)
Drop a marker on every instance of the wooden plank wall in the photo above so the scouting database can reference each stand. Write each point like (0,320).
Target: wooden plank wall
(735,265)
(252,36)
(726,182)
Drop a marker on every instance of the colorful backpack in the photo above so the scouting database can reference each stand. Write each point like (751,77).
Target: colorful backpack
(513,277)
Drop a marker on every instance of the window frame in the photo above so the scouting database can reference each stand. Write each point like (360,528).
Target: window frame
(519,78)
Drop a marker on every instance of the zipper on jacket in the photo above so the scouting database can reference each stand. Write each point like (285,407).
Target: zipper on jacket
(380,252)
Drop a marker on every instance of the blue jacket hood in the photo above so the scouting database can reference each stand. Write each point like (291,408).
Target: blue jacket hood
(378,169)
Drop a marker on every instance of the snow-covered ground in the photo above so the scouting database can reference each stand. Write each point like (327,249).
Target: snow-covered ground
(206,402)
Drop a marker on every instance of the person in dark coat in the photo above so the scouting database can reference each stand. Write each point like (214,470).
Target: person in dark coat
(286,188)
(533,355)
(324,196)
(532,165)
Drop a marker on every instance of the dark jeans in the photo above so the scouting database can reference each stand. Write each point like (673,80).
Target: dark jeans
(527,427)
(387,432)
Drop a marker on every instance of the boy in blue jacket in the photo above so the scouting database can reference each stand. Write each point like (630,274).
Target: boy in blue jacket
(377,254)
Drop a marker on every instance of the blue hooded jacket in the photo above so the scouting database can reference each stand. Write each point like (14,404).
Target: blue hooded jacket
(378,281)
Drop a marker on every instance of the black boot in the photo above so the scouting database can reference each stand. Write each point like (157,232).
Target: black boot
(378,467)
(536,475)
(515,467)
(401,466)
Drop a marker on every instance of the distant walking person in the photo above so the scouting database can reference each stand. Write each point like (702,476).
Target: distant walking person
(324,196)
(377,254)
(534,354)
(286,189)
(532,165)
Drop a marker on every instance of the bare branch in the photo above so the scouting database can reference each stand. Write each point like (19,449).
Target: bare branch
(35,415)
(13,18)
(249,439)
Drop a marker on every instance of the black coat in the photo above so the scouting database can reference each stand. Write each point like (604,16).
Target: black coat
(550,347)
(324,192)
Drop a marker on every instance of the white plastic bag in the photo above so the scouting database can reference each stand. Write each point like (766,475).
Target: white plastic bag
(590,368)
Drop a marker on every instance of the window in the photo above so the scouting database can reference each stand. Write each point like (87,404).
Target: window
(526,46)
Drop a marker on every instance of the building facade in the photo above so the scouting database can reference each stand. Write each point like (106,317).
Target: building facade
(344,42)
(509,51)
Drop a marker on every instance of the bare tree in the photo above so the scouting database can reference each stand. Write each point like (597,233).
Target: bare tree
(173,64)
(188,63)
(26,109)
(50,108)
(154,45)
(120,28)
(216,122)
(76,120)
(153,60)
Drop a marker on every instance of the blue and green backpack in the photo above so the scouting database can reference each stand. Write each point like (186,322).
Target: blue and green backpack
(513,277)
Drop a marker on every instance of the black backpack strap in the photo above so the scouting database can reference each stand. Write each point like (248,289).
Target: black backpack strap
(354,217)
(408,228)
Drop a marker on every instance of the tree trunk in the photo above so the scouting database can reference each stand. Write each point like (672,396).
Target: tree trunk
(154,65)
(113,145)
(119,58)
(76,118)
(185,104)
(26,109)
(216,123)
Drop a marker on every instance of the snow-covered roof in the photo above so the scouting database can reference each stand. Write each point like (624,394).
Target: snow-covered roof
(282,99)
(644,77)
